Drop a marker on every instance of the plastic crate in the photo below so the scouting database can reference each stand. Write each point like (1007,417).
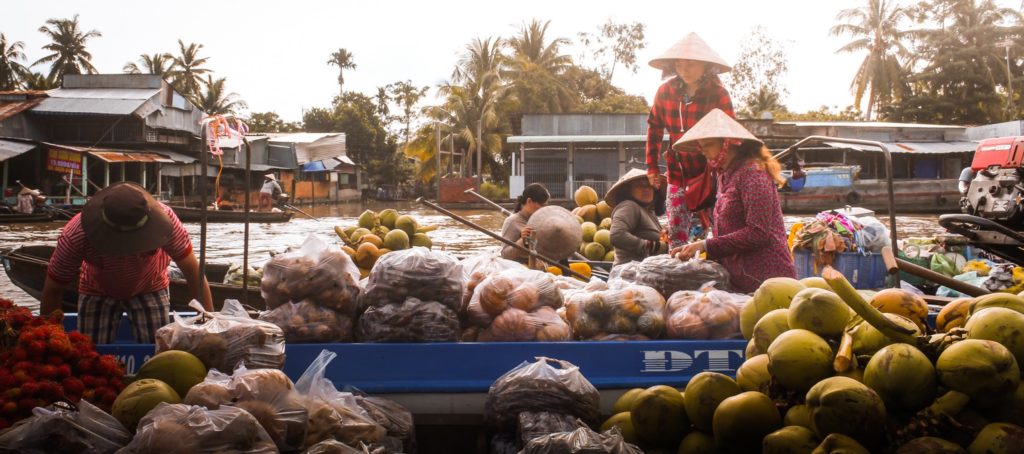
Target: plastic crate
(863,271)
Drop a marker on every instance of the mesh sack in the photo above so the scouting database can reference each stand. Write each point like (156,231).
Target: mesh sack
(415,273)
(410,321)
(668,275)
(306,322)
(544,385)
(627,311)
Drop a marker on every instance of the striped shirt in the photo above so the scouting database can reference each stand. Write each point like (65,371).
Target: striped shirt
(115,277)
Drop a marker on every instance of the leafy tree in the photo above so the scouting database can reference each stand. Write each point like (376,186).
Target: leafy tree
(875,28)
(595,94)
(187,70)
(161,64)
(533,71)
(39,81)
(407,95)
(823,113)
(343,59)
(472,98)
(67,45)
(755,82)
(215,100)
(270,122)
(383,98)
(11,71)
(615,43)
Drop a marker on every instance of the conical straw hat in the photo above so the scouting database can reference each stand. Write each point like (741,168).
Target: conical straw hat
(612,196)
(692,47)
(558,233)
(715,125)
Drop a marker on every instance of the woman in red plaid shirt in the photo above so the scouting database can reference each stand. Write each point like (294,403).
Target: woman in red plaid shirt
(678,105)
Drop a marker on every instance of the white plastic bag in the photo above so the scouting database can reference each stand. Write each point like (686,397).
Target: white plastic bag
(62,429)
(223,340)
(334,414)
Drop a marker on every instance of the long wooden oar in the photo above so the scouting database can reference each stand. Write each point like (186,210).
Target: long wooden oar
(488,201)
(895,265)
(504,240)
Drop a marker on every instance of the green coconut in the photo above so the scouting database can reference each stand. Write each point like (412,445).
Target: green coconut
(368,219)
(139,397)
(774,293)
(753,374)
(589,229)
(769,327)
(604,238)
(422,240)
(819,311)
(179,369)
(798,359)
(388,217)
(999,324)
(902,376)
(742,421)
(703,394)
(406,223)
(396,240)
(845,406)
(984,370)
(594,251)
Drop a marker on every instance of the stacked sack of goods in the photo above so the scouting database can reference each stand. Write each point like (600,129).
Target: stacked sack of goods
(379,233)
(547,407)
(41,364)
(596,220)
(626,312)
(176,406)
(312,293)
(828,370)
(414,295)
(831,233)
(517,304)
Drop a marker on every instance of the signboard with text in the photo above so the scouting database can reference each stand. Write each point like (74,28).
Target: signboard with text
(64,161)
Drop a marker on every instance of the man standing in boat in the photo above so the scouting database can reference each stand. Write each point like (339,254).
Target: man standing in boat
(122,241)
(269,192)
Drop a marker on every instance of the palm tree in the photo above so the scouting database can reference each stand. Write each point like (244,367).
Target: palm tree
(764,100)
(473,96)
(68,46)
(535,70)
(875,28)
(39,81)
(382,99)
(187,69)
(215,101)
(343,59)
(11,72)
(160,64)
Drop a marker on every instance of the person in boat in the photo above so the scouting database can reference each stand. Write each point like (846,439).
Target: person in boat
(749,236)
(29,201)
(268,192)
(693,90)
(123,241)
(534,196)
(635,231)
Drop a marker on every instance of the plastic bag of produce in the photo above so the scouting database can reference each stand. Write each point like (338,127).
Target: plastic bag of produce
(334,414)
(223,340)
(478,267)
(418,273)
(872,236)
(533,424)
(520,288)
(544,385)
(395,418)
(627,310)
(191,428)
(335,447)
(60,428)
(623,274)
(410,321)
(704,314)
(306,322)
(942,265)
(319,272)
(515,325)
(668,275)
(235,276)
(267,394)
(581,441)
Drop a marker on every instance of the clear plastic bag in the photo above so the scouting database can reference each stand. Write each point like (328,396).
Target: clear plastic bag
(628,310)
(180,428)
(410,321)
(872,236)
(395,418)
(544,385)
(515,325)
(334,414)
(306,322)
(321,273)
(581,441)
(533,424)
(704,314)
(335,447)
(520,288)
(267,394)
(417,272)
(235,276)
(223,340)
(60,428)
(669,275)
(624,273)
(478,267)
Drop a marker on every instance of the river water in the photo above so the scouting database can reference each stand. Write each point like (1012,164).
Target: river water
(225,241)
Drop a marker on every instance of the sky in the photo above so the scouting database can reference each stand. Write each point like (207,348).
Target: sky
(274,54)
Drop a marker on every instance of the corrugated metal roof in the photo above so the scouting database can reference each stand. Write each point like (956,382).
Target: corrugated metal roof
(105,93)
(88,106)
(868,124)
(130,156)
(915,147)
(346,160)
(567,139)
(304,137)
(10,149)
(177,157)
(10,109)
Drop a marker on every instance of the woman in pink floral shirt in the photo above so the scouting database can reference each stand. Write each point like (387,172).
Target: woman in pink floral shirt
(749,233)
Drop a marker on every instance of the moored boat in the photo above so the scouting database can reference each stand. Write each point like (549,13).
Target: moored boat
(20,218)
(224,216)
(26,268)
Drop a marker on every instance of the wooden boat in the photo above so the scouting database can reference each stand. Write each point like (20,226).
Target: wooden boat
(26,268)
(186,214)
(21,218)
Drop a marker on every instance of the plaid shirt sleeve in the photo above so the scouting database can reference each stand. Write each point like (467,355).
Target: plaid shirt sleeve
(656,125)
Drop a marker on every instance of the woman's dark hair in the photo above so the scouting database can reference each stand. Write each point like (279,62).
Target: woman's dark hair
(533,191)
(752,151)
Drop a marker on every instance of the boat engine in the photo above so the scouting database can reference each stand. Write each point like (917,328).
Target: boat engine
(996,191)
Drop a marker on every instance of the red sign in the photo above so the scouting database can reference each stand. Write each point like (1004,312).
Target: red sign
(64,161)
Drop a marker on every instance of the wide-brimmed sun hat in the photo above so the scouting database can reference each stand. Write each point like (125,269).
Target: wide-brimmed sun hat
(614,193)
(692,47)
(123,219)
(270,176)
(28,191)
(715,125)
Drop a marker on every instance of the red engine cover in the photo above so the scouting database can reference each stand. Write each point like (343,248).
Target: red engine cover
(1004,152)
